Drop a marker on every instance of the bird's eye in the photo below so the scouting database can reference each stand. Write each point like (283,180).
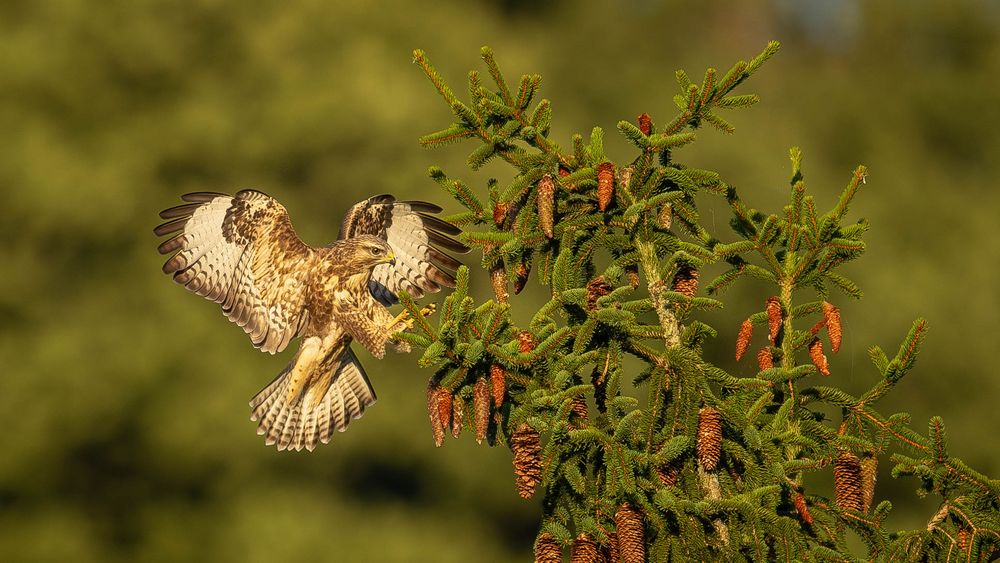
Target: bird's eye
(378,250)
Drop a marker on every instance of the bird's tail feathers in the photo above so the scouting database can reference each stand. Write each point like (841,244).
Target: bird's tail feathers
(314,413)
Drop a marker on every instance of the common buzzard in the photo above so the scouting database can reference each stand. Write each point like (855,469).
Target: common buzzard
(242,252)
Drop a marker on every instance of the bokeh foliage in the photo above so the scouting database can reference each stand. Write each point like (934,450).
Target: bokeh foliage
(124,399)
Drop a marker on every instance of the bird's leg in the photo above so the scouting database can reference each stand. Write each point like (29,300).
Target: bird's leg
(406,320)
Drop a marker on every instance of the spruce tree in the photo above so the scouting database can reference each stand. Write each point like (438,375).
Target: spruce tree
(678,460)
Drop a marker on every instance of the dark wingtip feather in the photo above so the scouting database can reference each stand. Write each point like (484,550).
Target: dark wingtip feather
(185,210)
(424,207)
(201,197)
(432,222)
(447,242)
(170,226)
(171,244)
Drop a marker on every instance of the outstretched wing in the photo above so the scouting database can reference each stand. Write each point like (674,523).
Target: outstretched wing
(241,251)
(418,239)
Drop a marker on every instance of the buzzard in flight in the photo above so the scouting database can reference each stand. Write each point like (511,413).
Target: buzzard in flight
(242,252)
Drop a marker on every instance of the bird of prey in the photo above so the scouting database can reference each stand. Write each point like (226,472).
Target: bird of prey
(242,252)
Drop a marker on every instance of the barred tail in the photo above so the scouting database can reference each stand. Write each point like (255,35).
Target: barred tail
(313,414)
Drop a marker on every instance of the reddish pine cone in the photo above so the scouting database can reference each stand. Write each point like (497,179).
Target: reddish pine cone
(546,204)
(584,550)
(685,281)
(802,508)
(498,384)
(631,534)
(457,416)
(547,549)
(435,414)
(869,474)
(709,444)
(596,288)
(847,481)
(605,184)
(526,341)
(527,447)
(818,357)
(500,213)
(579,408)
(774,319)
(743,339)
(645,123)
(764,359)
(521,273)
(481,403)
(963,540)
(444,400)
(668,473)
(832,316)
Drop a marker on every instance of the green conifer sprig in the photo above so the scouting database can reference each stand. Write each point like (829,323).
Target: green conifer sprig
(618,248)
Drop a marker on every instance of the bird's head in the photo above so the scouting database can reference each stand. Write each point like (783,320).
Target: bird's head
(370,251)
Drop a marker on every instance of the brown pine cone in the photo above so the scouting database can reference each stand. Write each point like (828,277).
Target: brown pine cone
(527,448)
(631,534)
(435,414)
(605,184)
(832,316)
(600,382)
(547,549)
(774,319)
(743,338)
(596,288)
(546,204)
(869,474)
(526,341)
(521,274)
(500,213)
(444,401)
(818,357)
(847,481)
(498,384)
(579,408)
(685,281)
(645,123)
(481,403)
(457,416)
(802,508)
(584,550)
(632,273)
(764,359)
(498,279)
(668,473)
(709,443)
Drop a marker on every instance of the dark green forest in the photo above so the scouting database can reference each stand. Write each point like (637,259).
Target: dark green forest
(125,399)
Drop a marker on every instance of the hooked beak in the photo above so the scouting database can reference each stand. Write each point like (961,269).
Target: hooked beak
(390,258)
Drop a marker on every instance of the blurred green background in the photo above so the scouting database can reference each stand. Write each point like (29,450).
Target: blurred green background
(124,398)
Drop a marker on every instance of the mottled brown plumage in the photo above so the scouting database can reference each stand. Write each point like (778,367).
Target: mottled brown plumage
(242,252)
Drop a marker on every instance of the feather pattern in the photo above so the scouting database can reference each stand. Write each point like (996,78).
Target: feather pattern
(417,239)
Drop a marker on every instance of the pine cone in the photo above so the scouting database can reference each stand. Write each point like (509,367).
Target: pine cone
(526,342)
(743,338)
(832,316)
(500,213)
(847,481)
(600,382)
(802,508)
(579,408)
(584,550)
(632,273)
(869,474)
(498,384)
(666,216)
(546,204)
(596,288)
(685,281)
(774,319)
(435,414)
(498,279)
(521,274)
(631,534)
(709,444)
(963,540)
(457,416)
(605,184)
(444,401)
(612,553)
(547,549)
(764,359)
(645,123)
(668,473)
(481,403)
(818,357)
(527,448)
